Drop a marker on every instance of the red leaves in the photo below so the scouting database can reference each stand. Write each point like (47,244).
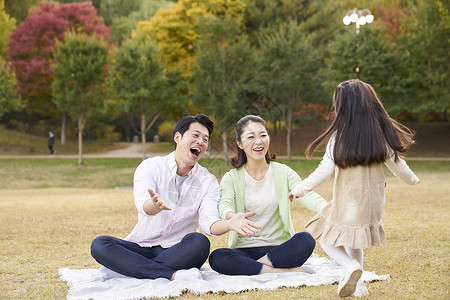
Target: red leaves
(32,43)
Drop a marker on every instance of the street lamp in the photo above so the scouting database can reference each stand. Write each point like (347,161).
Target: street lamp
(358,16)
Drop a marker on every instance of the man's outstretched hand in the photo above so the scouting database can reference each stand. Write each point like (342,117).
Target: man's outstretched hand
(158,201)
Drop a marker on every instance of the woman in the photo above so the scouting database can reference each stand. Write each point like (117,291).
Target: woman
(259,184)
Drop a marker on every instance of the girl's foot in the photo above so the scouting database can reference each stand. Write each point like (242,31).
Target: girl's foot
(352,274)
(361,290)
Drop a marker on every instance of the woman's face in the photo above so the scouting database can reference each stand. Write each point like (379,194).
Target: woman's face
(255,141)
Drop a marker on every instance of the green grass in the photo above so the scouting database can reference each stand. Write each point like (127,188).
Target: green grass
(112,172)
(51,210)
(56,172)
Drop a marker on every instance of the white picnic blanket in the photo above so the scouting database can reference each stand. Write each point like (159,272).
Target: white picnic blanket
(91,284)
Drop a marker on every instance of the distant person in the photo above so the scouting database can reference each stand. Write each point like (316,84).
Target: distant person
(258,183)
(361,137)
(51,142)
(173,195)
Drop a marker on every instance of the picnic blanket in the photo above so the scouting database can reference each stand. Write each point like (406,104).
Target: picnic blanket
(93,284)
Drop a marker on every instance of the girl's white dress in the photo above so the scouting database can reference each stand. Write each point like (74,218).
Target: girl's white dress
(353,217)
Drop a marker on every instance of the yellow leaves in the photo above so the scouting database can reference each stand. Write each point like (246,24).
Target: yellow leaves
(143,27)
(175,28)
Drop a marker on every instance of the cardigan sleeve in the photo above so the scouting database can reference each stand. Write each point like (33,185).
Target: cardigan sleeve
(311,200)
(228,196)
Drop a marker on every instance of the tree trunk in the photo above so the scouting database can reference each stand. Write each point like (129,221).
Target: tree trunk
(81,123)
(143,139)
(63,127)
(225,147)
(288,130)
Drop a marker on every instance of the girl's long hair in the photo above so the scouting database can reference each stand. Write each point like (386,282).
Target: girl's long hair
(364,130)
(241,158)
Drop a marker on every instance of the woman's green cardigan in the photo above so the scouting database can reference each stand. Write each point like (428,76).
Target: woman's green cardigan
(233,196)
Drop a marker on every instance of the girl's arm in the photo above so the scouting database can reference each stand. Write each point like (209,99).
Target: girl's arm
(323,171)
(312,200)
(401,170)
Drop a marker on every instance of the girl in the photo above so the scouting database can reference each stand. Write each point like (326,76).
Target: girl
(361,136)
(258,184)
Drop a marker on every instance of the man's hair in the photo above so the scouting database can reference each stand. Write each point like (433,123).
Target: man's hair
(184,123)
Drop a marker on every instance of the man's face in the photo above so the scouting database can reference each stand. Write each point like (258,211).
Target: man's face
(193,144)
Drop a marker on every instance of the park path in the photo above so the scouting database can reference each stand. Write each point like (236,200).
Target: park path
(129,150)
(134,150)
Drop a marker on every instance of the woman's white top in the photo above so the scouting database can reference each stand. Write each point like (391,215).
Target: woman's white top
(261,197)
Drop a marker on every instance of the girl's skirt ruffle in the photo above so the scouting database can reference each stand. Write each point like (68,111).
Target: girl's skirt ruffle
(336,235)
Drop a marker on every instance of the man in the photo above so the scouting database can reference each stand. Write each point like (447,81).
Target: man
(51,142)
(173,195)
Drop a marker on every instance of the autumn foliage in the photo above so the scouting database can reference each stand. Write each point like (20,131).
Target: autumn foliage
(31,44)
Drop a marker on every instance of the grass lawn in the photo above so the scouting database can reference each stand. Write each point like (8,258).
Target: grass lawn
(51,210)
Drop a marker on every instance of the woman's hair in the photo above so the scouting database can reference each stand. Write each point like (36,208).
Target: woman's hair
(363,128)
(241,157)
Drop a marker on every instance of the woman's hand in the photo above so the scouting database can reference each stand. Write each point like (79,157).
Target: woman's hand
(296,192)
(291,197)
(239,222)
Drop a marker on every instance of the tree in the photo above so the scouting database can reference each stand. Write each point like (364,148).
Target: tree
(289,64)
(110,9)
(368,57)
(18,9)
(9,99)
(426,43)
(176,29)
(123,16)
(392,17)
(7,24)
(96,3)
(226,77)
(32,43)
(141,83)
(265,15)
(79,77)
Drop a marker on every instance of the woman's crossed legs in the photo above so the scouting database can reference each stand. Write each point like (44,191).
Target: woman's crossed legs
(287,257)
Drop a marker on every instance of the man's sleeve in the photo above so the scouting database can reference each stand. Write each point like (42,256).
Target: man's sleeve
(208,213)
(143,180)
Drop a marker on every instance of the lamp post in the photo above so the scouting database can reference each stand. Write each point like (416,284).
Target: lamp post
(358,16)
